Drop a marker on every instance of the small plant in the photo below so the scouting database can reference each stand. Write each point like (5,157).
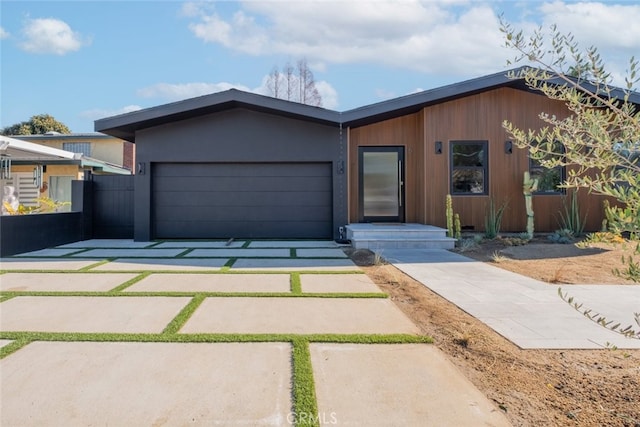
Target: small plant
(628,331)
(478,238)
(465,245)
(449,214)
(457,227)
(563,236)
(525,236)
(515,241)
(493,219)
(378,259)
(529,186)
(632,272)
(497,257)
(570,217)
(603,237)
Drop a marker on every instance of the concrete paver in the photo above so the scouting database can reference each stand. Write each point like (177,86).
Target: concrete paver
(295,264)
(121,252)
(257,253)
(293,244)
(145,384)
(62,282)
(321,253)
(44,263)
(213,283)
(337,283)
(107,243)
(3,343)
(90,314)
(162,264)
(299,316)
(201,244)
(396,385)
(50,252)
(525,311)
(129,383)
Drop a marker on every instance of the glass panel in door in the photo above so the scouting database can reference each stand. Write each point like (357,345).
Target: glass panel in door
(381,183)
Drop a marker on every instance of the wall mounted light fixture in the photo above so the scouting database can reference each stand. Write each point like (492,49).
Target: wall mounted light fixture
(140,168)
(438,147)
(508,147)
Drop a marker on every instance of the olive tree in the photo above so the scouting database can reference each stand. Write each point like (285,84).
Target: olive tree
(600,138)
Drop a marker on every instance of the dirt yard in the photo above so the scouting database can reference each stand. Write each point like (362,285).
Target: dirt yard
(532,387)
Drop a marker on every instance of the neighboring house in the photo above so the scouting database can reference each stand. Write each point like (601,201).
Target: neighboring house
(93,145)
(36,170)
(236,164)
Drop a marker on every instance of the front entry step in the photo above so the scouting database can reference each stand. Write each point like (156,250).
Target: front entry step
(398,236)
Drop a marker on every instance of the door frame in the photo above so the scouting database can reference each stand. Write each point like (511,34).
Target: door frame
(400,150)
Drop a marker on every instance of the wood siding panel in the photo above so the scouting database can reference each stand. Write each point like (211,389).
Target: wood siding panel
(404,131)
(477,117)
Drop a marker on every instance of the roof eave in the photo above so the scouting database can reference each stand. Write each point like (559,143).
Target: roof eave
(125,126)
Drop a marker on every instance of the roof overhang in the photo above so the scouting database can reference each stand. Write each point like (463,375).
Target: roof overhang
(125,126)
(19,150)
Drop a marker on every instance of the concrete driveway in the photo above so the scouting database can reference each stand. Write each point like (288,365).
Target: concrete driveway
(125,333)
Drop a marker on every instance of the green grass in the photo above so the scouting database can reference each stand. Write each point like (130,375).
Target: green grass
(296,284)
(305,405)
(129,282)
(11,294)
(213,338)
(178,322)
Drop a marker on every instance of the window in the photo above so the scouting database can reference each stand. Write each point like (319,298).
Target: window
(78,147)
(60,190)
(469,173)
(549,179)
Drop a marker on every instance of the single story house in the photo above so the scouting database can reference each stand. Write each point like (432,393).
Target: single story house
(237,164)
(36,170)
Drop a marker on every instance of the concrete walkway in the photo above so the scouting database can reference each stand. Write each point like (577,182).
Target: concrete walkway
(525,311)
(128,333)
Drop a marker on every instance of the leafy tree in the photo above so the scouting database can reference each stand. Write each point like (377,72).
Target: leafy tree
(294,84)
(601,136)
(36,125)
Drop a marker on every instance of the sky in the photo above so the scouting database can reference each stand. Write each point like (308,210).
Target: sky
(83,60)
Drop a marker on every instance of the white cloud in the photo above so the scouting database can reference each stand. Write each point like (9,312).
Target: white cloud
(50,36)
(3,34)
(425,36)
(603,25)
(99,113)
(179,91)
(451,37)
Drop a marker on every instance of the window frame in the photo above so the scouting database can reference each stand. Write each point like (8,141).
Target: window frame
(76,145)
(484,168)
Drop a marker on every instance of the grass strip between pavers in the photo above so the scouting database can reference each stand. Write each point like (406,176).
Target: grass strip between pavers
(6,297)
(214,338)
(296,284)
(224,270)
(115,294)
(178,322)
(13,347)
(94,265)
(305,404)
(129,282)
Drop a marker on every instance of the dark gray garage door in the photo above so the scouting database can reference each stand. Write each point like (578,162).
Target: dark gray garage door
(258,200)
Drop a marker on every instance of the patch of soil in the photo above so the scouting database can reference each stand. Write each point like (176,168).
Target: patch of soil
(557,263)
(532,387)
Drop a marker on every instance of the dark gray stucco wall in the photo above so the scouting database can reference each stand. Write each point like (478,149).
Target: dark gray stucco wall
(236,136)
